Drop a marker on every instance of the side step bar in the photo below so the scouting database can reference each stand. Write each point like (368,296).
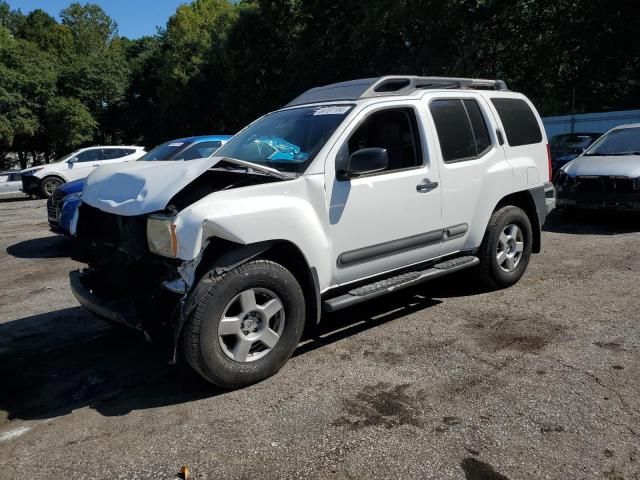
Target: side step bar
(391,284)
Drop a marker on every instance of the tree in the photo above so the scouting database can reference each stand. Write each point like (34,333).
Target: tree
(92,29)
(68,124)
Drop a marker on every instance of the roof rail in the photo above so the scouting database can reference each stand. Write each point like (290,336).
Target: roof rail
(391,85)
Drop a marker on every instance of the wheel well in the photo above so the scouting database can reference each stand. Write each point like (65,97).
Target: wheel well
(525,201)
(283,252)
(53,175)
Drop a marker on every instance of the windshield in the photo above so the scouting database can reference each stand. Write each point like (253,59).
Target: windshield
(623,141)
(286,140)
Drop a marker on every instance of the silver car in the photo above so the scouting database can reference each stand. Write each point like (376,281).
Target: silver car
(606,175)
(10,184)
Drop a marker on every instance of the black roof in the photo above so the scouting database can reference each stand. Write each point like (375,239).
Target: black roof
(389,85)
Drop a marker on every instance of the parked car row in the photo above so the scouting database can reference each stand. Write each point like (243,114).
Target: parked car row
(42,181)
(62,204)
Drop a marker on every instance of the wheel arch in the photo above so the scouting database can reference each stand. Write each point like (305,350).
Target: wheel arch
(525,201)
(222,255)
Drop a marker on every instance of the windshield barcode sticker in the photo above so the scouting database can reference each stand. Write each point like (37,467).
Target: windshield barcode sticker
(331,110)
(175,144)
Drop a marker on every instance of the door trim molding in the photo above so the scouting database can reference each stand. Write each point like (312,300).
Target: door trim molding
(401,245)
(372,252)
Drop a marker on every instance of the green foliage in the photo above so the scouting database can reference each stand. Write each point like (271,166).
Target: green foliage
(68,123)
(218,64)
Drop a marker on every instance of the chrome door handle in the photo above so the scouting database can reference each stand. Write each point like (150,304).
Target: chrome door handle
(427,186)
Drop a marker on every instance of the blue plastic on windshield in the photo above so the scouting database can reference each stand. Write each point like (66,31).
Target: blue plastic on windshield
(283,151)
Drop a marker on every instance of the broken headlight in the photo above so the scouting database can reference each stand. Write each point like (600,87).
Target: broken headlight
(161,235)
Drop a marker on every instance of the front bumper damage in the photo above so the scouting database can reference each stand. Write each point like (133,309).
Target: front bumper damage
(599,192)
(125,283)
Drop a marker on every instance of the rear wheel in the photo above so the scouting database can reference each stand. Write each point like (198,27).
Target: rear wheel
(506,247)
(48,185)
(246,323)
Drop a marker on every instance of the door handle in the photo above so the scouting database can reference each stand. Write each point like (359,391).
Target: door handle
(427,186)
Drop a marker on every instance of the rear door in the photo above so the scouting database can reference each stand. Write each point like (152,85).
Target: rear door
(472,164)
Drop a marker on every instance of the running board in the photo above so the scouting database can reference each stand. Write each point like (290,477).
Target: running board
(398,282)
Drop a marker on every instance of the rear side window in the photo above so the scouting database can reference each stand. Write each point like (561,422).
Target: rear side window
(519,121)
(461,128)
(112,153)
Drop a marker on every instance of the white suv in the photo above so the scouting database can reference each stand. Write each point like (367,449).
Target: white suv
(351,191)
(43,180)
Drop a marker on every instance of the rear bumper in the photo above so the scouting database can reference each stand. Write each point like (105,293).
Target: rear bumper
(117,311)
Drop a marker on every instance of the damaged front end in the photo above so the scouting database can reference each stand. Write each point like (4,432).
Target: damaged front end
(135,275)
(124,281)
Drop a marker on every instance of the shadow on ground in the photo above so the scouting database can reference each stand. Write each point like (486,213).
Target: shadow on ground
(15,199)
(54,363)
(57,246)
(592,222)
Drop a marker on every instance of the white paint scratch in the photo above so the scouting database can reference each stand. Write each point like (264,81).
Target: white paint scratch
(15,433)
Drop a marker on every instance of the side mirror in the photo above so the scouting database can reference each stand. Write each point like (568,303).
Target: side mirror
(72,160)
(362,162)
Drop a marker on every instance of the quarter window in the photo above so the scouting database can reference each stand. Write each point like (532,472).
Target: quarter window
(520,123)
(461,128)
(394,130)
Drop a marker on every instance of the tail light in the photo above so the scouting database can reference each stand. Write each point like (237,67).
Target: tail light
(549,161)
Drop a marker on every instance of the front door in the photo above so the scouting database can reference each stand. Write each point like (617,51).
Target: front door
(389,219)
(85,163)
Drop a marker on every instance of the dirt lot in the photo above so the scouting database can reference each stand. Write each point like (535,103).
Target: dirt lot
(444,381)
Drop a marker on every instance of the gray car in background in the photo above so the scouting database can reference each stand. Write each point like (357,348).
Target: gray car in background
(605,176)
(10,184)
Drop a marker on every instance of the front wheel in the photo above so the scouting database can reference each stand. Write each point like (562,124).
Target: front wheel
(506,247)
(246,323)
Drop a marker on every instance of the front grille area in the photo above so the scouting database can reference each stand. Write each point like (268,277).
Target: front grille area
(53,203)
(605,185)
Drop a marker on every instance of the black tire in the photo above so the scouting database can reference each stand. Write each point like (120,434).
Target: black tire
(49,184)
(491,272)
(200,342)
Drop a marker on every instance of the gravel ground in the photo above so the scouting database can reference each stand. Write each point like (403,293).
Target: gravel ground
(443,381)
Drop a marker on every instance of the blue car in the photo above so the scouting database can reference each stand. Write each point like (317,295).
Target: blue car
(63,203)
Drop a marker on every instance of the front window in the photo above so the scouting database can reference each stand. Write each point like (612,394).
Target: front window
(287,140)
(624,141)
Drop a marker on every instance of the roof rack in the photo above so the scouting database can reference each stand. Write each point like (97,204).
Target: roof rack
(391,85)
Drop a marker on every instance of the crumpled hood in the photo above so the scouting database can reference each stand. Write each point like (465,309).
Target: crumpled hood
(612,165)
(140,187)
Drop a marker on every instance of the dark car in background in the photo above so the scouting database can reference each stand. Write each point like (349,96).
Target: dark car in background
(606,176)
(567,146)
